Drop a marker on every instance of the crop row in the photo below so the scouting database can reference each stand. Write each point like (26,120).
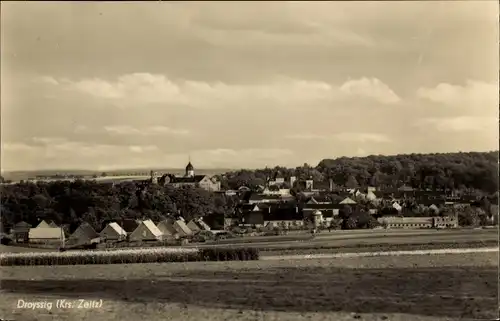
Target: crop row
(150,255)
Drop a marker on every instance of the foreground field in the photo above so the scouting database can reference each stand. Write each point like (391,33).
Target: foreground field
(427,287)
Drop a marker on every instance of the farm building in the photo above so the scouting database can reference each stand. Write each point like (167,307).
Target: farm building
(21,232)
(83,234)
(193,226)
(146,231)
(46,235)
(406,222)
(113,232)
(166,227)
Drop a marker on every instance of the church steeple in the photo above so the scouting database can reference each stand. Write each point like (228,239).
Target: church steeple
(189,169)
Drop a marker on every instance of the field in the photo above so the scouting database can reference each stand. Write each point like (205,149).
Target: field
(426,287)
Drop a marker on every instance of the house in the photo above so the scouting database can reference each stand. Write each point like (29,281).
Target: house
(113,232)
(84,234)
(193,226)
(328,209)
(191,179)
(46,235)
(166,227)
(21,232)
(181,228)
(146,231)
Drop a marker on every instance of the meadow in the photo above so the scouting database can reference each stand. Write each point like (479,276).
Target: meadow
(423,287)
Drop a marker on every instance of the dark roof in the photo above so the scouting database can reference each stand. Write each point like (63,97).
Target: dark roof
(189,167)
(254,218)
(322,206)
(187,180)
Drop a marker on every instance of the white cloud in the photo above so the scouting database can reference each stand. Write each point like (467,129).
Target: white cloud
(149,131)
(144,88)
(460,124)
(371,87)
(346,137)
(474,95)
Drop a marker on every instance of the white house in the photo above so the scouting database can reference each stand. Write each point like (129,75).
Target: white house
(146,231)
(113,232)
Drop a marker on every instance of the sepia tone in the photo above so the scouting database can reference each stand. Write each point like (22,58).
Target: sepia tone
(249,160)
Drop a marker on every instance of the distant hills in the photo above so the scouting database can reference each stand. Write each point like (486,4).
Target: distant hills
(25,175)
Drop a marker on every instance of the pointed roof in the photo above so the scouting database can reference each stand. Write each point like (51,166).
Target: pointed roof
(43,224)
(117,228)
(189,166)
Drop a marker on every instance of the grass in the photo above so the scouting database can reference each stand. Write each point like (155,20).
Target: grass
(438,287)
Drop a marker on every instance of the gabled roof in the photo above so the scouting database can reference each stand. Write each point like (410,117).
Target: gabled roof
(117,228)
(152,227)
(348,200)
(43,224)
(22,226)
(53,224)
(181,227)
(85,230)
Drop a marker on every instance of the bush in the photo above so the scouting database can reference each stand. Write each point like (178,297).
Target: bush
(218,254)
(128,256)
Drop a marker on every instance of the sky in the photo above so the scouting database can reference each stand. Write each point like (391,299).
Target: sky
(102,86)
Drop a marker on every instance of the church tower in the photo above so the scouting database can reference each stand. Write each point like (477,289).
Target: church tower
(189,170)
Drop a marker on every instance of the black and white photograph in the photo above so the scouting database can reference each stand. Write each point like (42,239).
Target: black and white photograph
(249,160)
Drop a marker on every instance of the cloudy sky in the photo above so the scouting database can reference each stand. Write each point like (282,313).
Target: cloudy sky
(124,85)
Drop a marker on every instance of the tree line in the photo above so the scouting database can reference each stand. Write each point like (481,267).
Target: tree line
(95,202)
(444,171)
(73,202)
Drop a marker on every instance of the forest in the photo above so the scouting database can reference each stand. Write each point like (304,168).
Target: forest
(71,202)
(452,171)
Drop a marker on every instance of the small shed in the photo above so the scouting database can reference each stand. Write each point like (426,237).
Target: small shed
(113,232)
(21,232)
(146,231)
